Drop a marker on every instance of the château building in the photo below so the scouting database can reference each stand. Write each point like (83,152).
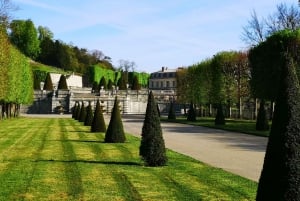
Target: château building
(163,83)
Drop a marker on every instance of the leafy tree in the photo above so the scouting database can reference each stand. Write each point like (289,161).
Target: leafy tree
(152,148)
(48,83)
(191,113)
(115,131)
(44,32)
(172,114)
(89,115)
(135,84)
(98,124)
(266,63)
(24,36)
(82,113)
(62,84)
(280,175)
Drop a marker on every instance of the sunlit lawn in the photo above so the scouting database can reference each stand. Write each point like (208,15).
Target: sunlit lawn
(243,126)
(59,159)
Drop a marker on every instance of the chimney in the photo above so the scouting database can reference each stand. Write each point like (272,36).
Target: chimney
(162,69)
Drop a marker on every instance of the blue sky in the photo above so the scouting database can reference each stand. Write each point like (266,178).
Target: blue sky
(152,33)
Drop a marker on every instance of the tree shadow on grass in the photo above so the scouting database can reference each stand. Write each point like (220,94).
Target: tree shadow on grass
(125,163)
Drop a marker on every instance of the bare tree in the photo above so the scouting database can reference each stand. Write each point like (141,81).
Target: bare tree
(6,8)
(257,30)
(126,65)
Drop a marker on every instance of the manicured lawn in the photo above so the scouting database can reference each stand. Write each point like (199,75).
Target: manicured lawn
(59,159)
(243,126)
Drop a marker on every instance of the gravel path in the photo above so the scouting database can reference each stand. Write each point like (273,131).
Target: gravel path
(238,153)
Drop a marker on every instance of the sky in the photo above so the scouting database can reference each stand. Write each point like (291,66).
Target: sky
(151,33)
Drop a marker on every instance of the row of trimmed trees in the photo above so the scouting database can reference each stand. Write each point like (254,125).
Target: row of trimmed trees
(152,148)
(16,80)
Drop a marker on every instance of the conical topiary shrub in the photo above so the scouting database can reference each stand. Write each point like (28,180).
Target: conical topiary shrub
(48,85)
(262,123)
(280,177)
(115,132)
(191,113)
(62,84)
(82,113)
(78,112)
(98,124)
(152,148)
(110,84)
(135,83)
(102,83)
(220,118)
(89,115)
(74,110)
(172,114)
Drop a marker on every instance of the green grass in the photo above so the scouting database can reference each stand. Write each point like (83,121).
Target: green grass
(42,67)
(59,159)
(242,126)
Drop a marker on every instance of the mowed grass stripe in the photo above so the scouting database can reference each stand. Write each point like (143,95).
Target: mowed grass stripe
(67,162)
(72,172)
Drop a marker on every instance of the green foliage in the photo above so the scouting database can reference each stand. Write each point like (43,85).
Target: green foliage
(266,61)
(110,85)
(122,82)
(143,78)
(24,36)
(191,113)
(48,85)
(171,114)
(281,171)
(62,84)
(4,62)
(89,115)
(152,148)
(98,124)
(20,79)
(75,110)
(135,84)
(102,83)
(220,118)
(96,72)
(262,123)
(82,116)
(115,131)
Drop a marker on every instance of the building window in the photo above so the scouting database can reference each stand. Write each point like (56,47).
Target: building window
(161,84)
(174,84)
(152,84)
(157,84)
(168,84)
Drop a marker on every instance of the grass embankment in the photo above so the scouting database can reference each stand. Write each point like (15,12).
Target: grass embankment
(59,159)
(236,125)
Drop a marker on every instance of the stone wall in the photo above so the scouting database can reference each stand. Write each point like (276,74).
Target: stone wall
(47,102)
